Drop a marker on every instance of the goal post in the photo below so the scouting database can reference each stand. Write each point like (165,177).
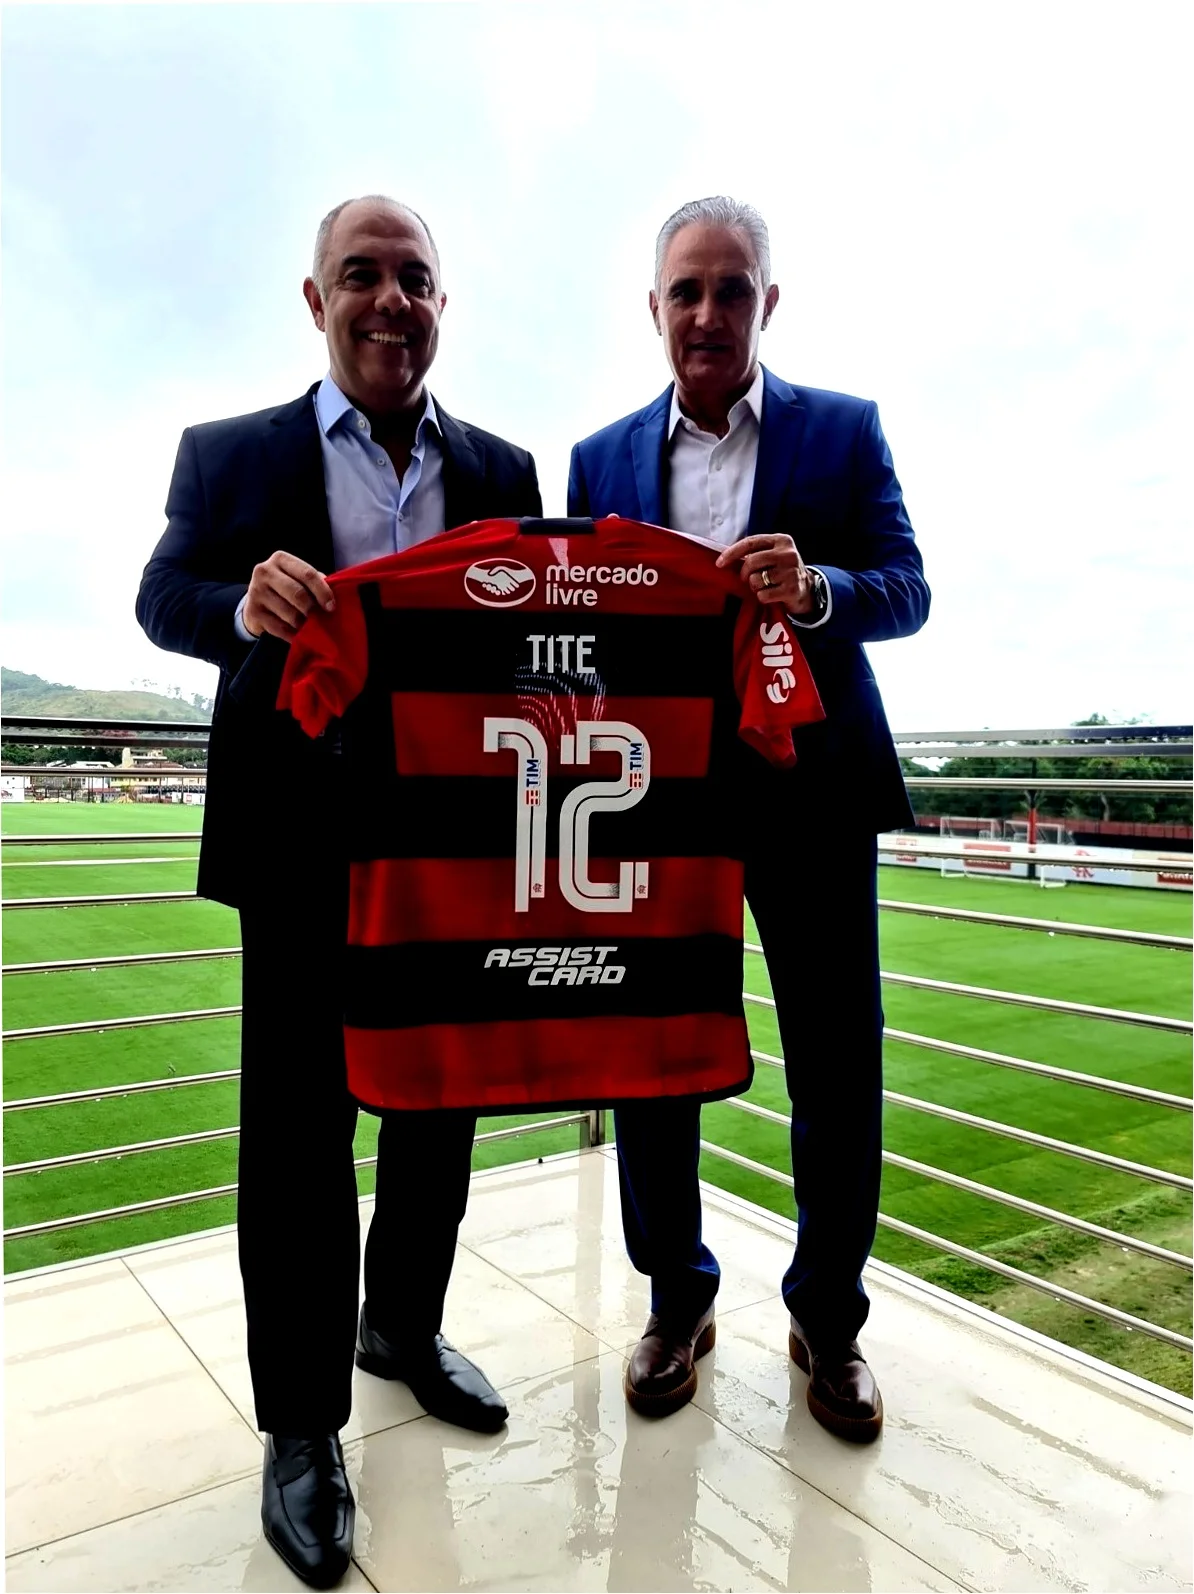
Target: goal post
(967,828)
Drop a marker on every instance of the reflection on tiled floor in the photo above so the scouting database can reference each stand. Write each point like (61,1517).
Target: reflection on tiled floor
(132,1462)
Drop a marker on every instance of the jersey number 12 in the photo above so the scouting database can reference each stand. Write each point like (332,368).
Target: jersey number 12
(578,808)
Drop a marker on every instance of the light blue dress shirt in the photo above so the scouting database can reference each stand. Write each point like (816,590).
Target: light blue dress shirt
(372,512)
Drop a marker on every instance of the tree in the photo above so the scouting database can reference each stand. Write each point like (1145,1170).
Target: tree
(1169,808)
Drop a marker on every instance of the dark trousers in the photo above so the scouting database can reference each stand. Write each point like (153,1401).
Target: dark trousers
(815,907)
(298,1223)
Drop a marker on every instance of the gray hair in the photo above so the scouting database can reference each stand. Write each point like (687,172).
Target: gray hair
(717,211)
(324,233)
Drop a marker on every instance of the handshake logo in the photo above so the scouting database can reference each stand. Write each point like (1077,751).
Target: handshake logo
(499,583)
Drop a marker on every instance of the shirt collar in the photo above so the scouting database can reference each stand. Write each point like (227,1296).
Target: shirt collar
(331,406)
(751,403)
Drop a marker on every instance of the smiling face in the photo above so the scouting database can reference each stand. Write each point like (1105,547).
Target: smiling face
(709,310)
(379,306)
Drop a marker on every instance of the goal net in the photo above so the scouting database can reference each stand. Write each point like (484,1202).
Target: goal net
(968,828)
(975,867)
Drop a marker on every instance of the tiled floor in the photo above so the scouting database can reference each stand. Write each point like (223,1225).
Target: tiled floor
(132,1462)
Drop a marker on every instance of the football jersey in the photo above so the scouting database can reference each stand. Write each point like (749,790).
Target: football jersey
(545,728)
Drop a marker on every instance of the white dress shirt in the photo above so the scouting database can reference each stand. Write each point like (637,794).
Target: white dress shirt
(712,479)
(372,512)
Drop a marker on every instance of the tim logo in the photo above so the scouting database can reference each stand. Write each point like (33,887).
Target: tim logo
(533,783)
(499,583)
(634,764)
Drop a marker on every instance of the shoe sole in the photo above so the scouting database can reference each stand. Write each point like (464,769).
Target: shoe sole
(648,1405)
(858,1430)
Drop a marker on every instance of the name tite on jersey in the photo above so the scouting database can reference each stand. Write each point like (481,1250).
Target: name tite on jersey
(559,965)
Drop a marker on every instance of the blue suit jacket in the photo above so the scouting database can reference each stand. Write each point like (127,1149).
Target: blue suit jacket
(825,477)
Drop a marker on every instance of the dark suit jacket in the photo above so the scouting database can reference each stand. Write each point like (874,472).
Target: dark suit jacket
(825,477)
(242,489)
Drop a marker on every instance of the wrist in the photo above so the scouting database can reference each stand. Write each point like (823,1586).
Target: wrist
(240,625)
(820,605)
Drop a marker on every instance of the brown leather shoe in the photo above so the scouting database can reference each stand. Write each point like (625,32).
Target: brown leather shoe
(842,1393)
(661,1375)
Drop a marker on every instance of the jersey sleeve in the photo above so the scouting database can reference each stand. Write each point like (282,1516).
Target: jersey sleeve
(775,686)
(328,662)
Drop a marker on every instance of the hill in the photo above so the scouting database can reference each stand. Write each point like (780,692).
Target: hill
(30,694)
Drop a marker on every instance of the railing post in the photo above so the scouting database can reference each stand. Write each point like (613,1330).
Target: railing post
(593,1129)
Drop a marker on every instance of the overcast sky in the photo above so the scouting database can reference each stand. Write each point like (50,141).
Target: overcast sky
(976,220)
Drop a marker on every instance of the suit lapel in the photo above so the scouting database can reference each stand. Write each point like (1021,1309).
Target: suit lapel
(648,445)
(463,471)
(296,459)
(779,448)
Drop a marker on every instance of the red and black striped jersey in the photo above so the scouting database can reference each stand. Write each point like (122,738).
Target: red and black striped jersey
(546,727)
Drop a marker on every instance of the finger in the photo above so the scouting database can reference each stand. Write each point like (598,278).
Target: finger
(774,595)
(759,585)
(744,546)
(274,607)
(315,582)
(294,593)
(275,627)
(777,560)
(260,622)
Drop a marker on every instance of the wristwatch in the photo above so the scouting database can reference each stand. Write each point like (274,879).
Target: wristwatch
(820,596)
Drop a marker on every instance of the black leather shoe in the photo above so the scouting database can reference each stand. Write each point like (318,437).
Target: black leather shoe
(444,1382)
(307,1508)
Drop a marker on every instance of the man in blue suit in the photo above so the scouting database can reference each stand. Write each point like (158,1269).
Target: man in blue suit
(798,484)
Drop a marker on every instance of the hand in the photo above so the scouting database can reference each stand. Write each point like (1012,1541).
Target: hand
(281,595)
(774,571)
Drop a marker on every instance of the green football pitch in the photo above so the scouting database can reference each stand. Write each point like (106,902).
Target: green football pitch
(1137,978)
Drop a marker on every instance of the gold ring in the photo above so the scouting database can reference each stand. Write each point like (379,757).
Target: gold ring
(765,577)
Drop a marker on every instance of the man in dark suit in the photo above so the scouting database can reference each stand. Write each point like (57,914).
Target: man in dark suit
(260,507)
(798,485)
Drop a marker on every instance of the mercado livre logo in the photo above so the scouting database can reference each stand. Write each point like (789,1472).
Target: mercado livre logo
(573,585)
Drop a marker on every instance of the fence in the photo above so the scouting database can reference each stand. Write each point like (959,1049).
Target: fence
(1105,741)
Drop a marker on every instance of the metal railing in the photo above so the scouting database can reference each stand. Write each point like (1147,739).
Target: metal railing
(53,730)
(1175,943)
(591,1125)
(1179,1026)
(977,850)
(1150,784)
(47,729)
(980,1259)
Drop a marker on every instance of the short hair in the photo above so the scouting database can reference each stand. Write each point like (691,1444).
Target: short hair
(324,232)
(717,211)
